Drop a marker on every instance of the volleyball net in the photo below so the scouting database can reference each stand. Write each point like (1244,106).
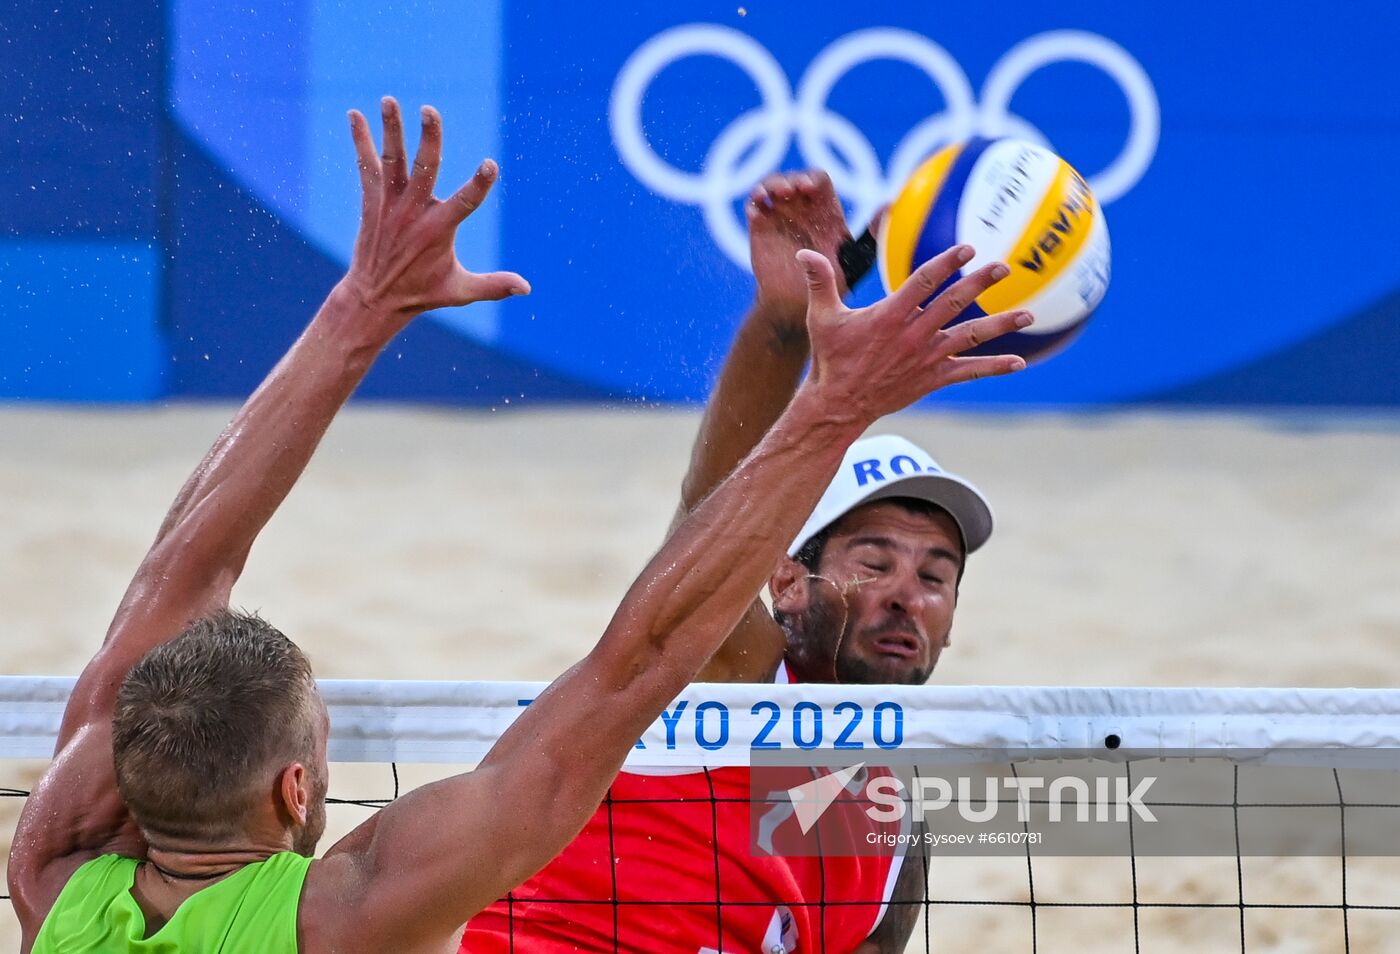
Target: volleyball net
(1036,819)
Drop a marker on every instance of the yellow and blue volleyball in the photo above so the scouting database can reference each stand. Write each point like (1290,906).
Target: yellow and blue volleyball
(1013,202)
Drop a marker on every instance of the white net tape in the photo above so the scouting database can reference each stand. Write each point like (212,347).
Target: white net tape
(718,725)
(1318,888)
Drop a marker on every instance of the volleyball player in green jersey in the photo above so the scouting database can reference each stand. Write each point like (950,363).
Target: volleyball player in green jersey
(188,789)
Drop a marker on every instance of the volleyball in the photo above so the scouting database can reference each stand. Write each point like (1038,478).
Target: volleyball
(1013,202)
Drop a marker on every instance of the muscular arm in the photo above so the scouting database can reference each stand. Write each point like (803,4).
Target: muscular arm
(760,375)
(76,811)
(431,860)
(437,856)
(758,379)
(204,542)
(764,365)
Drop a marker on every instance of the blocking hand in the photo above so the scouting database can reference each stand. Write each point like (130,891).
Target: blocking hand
(880,359)
(404,261)
(787,212)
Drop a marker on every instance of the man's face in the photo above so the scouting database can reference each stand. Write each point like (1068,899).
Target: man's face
(898,573)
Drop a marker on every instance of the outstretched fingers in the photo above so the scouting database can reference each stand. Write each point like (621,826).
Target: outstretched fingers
(954,299)
(928,278)
(469,197)
(365,156)
(429,158)
(983,366)
(492,286)
(394,161)
(978,331)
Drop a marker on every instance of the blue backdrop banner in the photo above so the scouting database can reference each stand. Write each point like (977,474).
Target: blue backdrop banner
(182,192)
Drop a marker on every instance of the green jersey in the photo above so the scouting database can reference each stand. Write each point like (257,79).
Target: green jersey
(252,911)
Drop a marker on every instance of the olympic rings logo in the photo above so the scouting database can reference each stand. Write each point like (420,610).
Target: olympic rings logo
(756,141)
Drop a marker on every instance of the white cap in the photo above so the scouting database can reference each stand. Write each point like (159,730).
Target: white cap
(889,466)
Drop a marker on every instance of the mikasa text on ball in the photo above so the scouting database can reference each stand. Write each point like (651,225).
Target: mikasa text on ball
(1013,202)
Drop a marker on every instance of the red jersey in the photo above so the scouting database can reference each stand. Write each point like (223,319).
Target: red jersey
(665,867)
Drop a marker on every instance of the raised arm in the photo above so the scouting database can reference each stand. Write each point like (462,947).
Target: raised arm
(786,212)
(403,264)
(434,858)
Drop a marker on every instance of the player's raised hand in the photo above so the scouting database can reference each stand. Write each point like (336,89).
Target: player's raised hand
(882,358)
(404,261)
(787,212)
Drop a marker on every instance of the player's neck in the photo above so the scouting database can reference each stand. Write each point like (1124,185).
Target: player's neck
(206,865)
(195,860)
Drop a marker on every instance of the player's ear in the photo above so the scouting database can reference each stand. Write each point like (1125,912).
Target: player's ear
(294,793)
(789,586)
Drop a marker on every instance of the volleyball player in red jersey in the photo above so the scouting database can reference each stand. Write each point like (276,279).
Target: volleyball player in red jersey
(866,595)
